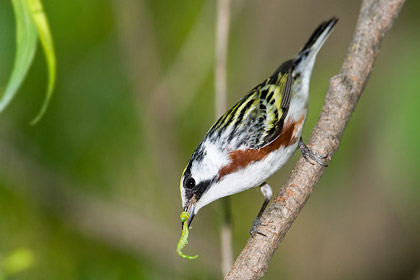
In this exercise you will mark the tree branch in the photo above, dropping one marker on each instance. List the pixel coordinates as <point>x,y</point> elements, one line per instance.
<point>375,19</point>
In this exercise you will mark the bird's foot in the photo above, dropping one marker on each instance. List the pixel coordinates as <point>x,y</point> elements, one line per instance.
<point>254,230</point>
<point>309,154</point>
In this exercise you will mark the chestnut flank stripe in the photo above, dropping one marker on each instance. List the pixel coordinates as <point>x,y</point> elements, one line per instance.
<point>241,158</point>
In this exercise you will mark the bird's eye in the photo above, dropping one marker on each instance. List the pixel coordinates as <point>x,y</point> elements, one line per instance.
<point>190,183</point>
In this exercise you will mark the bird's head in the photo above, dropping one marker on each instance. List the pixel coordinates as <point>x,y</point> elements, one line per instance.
<point>201,182</point>
<point>214,172</point>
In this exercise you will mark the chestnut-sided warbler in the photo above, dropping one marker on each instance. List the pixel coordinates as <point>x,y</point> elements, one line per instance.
<point>257,136</point>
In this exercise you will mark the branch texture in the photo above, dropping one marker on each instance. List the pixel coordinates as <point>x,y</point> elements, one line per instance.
<point>375,19</point>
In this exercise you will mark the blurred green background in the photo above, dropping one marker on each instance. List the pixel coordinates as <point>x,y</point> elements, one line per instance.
<point>92,191</point>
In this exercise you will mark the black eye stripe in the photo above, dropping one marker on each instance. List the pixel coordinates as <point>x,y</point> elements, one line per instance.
<point>199,189</point>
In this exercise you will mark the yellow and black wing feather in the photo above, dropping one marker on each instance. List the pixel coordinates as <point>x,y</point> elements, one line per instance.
<point>257,119</point>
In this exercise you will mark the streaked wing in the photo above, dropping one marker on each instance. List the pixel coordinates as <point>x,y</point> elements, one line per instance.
<point>257,119</point>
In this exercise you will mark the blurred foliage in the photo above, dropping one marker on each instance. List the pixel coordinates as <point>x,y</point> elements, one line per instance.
<point>44,34</point>
<point>92,191</point>
<point>31,23</point>
<point>25,49</point>
<point>20,259</point>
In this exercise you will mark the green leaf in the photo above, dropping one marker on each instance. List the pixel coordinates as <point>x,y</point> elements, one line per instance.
<point>26,35</point>
<point>45,37</point>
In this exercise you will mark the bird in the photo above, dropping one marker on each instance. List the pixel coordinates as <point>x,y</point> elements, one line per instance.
<point>256,137</point>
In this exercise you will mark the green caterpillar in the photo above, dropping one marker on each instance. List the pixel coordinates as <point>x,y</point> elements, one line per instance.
<point>184,237</point>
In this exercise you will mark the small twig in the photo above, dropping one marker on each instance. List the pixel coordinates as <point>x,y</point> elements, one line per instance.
<point>222,39</point>
<point>375,19</point>
<point>226,233</point>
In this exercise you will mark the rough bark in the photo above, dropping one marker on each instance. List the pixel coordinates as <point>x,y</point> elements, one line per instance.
<point>375,20</point>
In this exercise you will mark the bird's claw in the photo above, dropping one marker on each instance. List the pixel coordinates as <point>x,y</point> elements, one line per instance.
<point>254,230</point>
<point>308,153</point>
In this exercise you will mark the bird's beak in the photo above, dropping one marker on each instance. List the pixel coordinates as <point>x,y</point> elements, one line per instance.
<point>190,209</point>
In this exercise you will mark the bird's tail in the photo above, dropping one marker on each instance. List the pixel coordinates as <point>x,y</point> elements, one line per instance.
<point>314,44</point>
